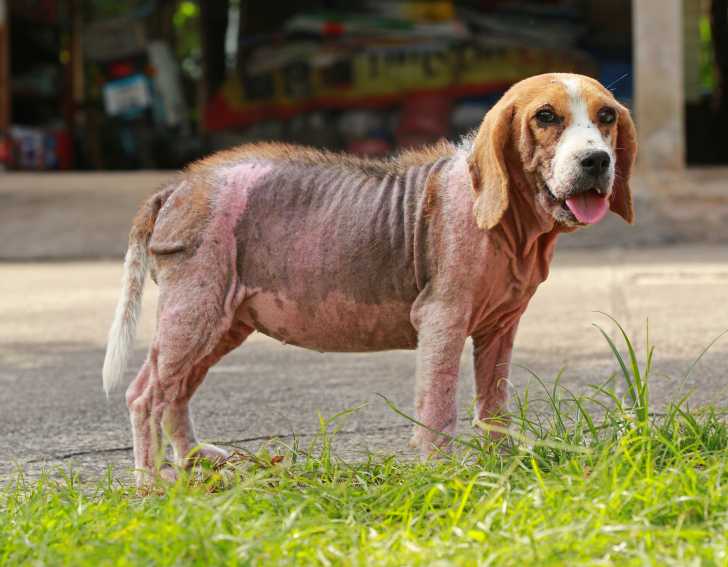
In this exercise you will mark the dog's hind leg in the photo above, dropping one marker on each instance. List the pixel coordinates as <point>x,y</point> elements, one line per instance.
<point>200,292</point>
<point>177,420</point>
<point>139,403</point>
<point>157,385</point>
<point>175,367</point>
<point>194,329</point>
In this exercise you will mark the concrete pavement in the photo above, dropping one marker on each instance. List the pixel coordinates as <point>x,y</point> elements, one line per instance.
<point>54,318</point>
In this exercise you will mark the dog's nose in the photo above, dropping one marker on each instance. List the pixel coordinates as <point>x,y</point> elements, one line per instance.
<point>595,163</point>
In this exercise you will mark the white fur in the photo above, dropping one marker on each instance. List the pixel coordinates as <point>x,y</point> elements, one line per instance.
<point>465,144</point>
<point>123,329</point>
<point>581,135</point>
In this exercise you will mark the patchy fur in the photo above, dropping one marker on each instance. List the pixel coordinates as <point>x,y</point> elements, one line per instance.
<point>288,153</point>
<point>337,253</point>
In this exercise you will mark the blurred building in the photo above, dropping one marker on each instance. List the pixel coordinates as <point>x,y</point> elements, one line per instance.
<point>153,84</point>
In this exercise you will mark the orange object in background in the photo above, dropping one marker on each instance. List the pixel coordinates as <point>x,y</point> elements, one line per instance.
<point>414,10</point>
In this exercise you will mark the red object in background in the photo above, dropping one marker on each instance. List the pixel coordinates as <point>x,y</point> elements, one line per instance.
<point>120,69</point>
<point>424,119</point>
<point>64,149</point>
<point>220,114</point>
<point>5,152</point>
<point>332,29</point>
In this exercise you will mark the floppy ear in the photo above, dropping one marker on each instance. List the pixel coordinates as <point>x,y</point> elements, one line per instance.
<point>621,201</point>
<point>487,165</point>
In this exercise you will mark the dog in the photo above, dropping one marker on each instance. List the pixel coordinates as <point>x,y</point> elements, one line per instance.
<point>335,253</point>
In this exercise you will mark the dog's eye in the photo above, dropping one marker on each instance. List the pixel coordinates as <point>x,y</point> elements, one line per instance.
<point>546,116</point>
<point>607,115</point>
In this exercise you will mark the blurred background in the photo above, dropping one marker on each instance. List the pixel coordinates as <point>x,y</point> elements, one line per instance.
<point>153,84</point>
<point>103,89</point>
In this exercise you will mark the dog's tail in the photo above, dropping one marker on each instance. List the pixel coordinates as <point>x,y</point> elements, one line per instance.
<point>136,263</point>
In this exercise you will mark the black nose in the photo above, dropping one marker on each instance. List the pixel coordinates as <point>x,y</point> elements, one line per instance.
<point>595,163</point>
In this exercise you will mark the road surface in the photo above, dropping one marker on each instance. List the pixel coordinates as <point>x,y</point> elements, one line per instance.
<point>54,317</point>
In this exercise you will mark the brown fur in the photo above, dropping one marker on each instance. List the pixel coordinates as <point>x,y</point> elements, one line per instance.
<point>143,223</point>
<point>431,195</point>
<point>512,123</point>
<point>186,214</point>
<point>488,171</point>
<point>626,148</point>
<point>274,151</point>
<point>537,144</point>
<point>189,206</point>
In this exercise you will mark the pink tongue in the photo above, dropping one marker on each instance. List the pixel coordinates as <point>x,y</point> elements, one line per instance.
<point>589,207</point>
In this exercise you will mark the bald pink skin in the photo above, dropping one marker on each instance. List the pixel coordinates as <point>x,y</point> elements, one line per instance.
<point>339,260</point>
<point>334,253</point>
<point>348,262</point>
<point>335,259</point>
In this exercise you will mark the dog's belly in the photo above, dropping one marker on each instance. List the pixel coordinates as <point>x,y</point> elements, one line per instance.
<point>335,324</point>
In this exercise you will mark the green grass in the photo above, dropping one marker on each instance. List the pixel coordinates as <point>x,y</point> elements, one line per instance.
<point>597,480</point>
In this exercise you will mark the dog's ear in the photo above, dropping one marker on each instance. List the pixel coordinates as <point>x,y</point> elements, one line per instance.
<point>487,165</point>
<point>626,150</point>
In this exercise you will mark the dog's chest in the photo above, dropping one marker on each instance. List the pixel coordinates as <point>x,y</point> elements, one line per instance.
<point>511,278</point>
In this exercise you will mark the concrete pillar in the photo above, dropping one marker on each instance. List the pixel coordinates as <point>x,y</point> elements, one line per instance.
<point>659,85</point>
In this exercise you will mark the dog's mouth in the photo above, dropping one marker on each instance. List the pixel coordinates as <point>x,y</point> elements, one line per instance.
<point>584,207</point>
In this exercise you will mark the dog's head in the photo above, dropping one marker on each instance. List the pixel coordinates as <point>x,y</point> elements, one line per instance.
<point>574,142</point>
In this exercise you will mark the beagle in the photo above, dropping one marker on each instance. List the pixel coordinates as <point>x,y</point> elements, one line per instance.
<point>335,253</point>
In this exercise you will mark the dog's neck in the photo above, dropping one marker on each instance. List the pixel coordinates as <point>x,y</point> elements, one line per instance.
<point>516,252</point>
<point>525,226</point>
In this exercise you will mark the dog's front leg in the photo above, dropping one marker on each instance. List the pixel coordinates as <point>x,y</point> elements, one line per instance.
<point>441,338</point>
<point>492,359</point>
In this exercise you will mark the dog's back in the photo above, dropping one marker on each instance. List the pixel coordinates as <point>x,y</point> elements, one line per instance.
<point>330,253</point>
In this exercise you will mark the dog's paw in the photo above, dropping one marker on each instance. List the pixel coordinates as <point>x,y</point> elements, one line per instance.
<point>429,443</point>
<point>148,482</point>
<point>414,441</point>
<point>215,455</point>
<point>168,474</point>
<point>421,440</point>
